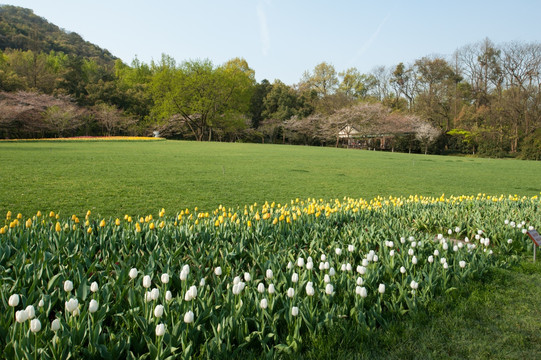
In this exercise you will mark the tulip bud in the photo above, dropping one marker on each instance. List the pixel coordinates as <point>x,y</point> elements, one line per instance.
<point>309,265</point>
<point>402,270</point>
<point>133,273</point>
<point>323,257</point>
<point>35,325</point>
<point>391,253</point>
<point>68,286</point>
<point>300,262</point>
<point>332,272</point>
<point>41,303</point>
<point>30,312</point>
<point>55,325</point>
<point>414,260</point>
<point>327,278</point>
<point>165,278</point>
<point>338,251</point>
<point>13,300</point>
<point>146,281</point>
<point>218,271</point>
<point>294,311</point>
<point>160,329</point>
<point>295,277</point>
<point>360,281</point>
<point>183,275</point>
<point>261,288</point>
<point>21,316</point>
<point>269,274</point>
<point>148,296</point>
<point>290,292</point>
<point>193,291</point>
<point>363,293</point>
<point>236,280</point>
<point>168,295</point>
<point>271,289</point>
<point>189,317</point>
<point>431,259</point>
<point>155,293</point>
<point>381,288</point>
<point>351,248</point>
<point>310,289</point>
<point>329,289</point>
<point>93,306</point>
<point>365,262</point>
<point>263,304</point>
<point>247,276</point>
<point>158,311</point>
<point>94,287</point>
<point>462,263</point>
<point>72,305</point>
<point>202,282</point>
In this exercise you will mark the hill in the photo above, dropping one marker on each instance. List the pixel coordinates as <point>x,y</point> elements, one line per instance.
<point>21,29</point>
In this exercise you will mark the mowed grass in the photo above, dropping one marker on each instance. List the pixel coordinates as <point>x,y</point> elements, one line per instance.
<point>137,178</point>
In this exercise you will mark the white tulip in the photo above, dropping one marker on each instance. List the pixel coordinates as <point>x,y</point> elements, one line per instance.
<point>410,252</point>
<point>72,304</point>
<point>358,290</point>
<point>133,273</point>
<point>160,329</point>
<point>168,295</point>
<point>202,282</point>
<point>361,270</point>
<point>94,287</point>
<point>261,288</point>
<point>21,316</point>
<point>370,256</point>
<point>445,266</point>
<point>436,252</point>
<point>35,325</point>
<point>381,288</point>
<point>41,303</point>
<point>323,257</point>
<point>413,244</point>
<point>183,275</point>
<point>189,317</point>
<point>271,289</point>
<point>351,248</point>
<point>165,278</point>
<point>289,265</point>
<point>193,291</point>
<point>509,241</point>
<point>322,266</point>
<point>443,260</point>
<point>329,289</point>
<point>343,267</point>
<point>338,251</point>
<point>363,292</point>
<point>506,222</point>
<point>450,232</point>
<point>148,296</point>
<point>327,278</point>
<point>247,276</point>
<point>309,265</point>
<point>158,311</point>
<point>93,306</point>
<point>30,312</point>
<point>365,262</point>
<point>414,260</point>
<point>332,272</point>
<point>268,274</point>
<point>391,253</point>
<point>414,285</point>
<point>310,289</point>
<point>290,292</point>
<point>295,277</point>
<point>360,281</point>
<point>294,311</point>
<point>13,300</point>
<point>348,267</point>
<point>263,303</point>
<point>236,280</point>
<point>155,293</point>
<point>300,262</point>
<point>402,270</point>
<point>327,265</point>
<point>68,286</point>
<point>457,229</point>
<point>445,246</point>
<point>55,325</point>
<point>431,259</point>
<point>186,269</point>
<point>218,271</point>
<point>462,263</point>
<point>146,281</point>
<point>402,240</point>
<point>440,236</point>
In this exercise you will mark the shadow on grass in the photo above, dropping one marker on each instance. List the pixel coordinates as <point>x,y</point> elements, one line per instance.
<point>497,317</point>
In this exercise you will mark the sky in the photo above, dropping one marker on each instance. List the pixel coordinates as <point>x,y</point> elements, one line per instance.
<point>283,39</point>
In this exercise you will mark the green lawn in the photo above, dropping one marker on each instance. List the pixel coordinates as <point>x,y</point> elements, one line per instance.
<point>114,178</point>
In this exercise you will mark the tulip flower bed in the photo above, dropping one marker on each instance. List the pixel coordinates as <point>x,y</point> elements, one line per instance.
<point>260,278</point>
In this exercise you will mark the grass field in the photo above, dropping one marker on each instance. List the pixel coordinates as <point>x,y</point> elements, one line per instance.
<point>114,178</point>
<point>494,316</point>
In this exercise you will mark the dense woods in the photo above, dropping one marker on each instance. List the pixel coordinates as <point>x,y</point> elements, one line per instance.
<point>484,99</point>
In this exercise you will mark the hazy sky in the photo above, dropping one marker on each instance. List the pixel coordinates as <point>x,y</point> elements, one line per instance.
<point>283,39</point>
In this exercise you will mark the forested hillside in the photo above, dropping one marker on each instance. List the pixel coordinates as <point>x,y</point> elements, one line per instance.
<point>485,99</point>
<point>23,30</point>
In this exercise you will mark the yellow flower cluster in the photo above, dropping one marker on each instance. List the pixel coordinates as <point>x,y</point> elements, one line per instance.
<point>92,138</point>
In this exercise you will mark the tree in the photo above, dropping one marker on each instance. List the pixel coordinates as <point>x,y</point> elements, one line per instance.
<point>323,80</point>
<point>111,119</point>
<point>199,93</point>
<point>426,133</point>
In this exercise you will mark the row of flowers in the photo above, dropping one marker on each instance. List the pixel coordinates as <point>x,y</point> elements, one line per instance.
<point>205,283</point>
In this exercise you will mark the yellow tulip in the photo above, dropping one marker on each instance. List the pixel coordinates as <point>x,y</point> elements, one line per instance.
<point>249,223</point>
<point>89,230</point>
<point>38,214</point>
<point>162,224</point>
<point>19,216</point>
<point>2,230</point>
<point>28,223</point>
<point>137,227</point>
<point>102,223</point>
<point>151,226</point>
<point>58,228</point>
<point>51,214</point>
<point>117,222</point>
